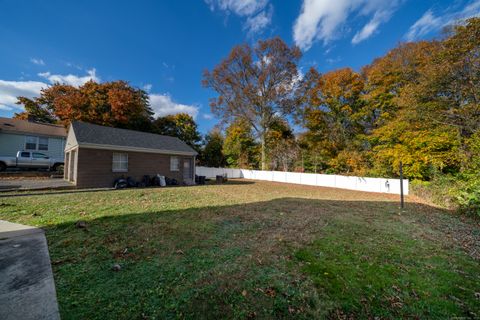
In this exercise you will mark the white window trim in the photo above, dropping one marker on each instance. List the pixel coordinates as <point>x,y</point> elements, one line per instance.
<point>26,142</point>
<point>171,164</point>
<point>37,143</point>
<point>113,162</point>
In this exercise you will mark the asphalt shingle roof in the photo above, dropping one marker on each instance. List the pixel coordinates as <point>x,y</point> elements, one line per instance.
<point>31,127</point>
<point>96,134</point>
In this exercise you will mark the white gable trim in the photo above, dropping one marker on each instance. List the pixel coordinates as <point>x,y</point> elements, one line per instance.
<point>71,141</point>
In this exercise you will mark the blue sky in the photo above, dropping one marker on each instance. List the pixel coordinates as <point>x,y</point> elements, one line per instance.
<point>163,46</point>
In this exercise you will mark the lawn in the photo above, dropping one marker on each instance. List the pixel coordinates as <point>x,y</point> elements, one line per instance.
<point>254,250</point>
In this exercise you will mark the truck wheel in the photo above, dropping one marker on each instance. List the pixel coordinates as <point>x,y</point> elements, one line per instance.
<point>3,167</point>
<point>58,167</point>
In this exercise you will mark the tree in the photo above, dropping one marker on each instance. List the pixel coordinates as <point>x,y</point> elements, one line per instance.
<point>282,149</point>
<point>212,154</point>
<point>330,108</point>
<point>387,76</point>
<point>179,125</point>
<point>114,104</point>
<point>283,154</point>
<point>447,91</point>
<point>33,111</point>
<point>255,85</point>
<point>424,148</point>
<point>437,107</point>
<point>240,148</point>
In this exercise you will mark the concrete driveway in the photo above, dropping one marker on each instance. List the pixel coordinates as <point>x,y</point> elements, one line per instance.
<point>33,184</point>
<point>27,288</point>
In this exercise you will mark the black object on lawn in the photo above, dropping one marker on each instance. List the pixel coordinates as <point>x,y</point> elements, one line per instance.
<point>120,183</point>
<point>221,179</point>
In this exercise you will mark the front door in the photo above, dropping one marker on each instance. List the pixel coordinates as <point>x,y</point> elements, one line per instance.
<point>187,169</point>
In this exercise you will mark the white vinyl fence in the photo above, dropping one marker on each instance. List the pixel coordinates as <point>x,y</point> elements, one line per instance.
<point>322,180</point>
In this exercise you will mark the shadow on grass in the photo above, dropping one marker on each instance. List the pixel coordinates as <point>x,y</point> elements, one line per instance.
<point>284,258</point>
<point>73,190</point>
<point>12,187</point>
<point>232,182</point>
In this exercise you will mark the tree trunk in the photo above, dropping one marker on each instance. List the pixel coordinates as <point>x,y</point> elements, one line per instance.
<point>264,153</point>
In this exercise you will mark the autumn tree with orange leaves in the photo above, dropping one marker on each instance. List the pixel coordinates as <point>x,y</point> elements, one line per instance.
<point>330,108</point>
<point>115,104</point>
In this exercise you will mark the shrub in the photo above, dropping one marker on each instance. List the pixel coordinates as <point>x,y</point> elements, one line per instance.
<point>459,192</point>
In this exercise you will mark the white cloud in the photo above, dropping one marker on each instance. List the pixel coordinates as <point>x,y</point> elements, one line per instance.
<point>259,22</point>
<point>257,12</point>
<point>10,90</point>
<point>71,79</point>
<point>5,108</point>
<point>423,26</point>
<point>239,7</point>
<point>147,87</point>
<point>322,20</point>
<point>207,116</point>
<point>333,60</point>
<point>37,61</point>
<point>73,65</point>
<point>162,105</point>
<point>371,27</point>
<point>429,22</point>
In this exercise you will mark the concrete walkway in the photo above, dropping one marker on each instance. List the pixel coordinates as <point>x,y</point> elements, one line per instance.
<point>33,184</point>
<point>27,288</point>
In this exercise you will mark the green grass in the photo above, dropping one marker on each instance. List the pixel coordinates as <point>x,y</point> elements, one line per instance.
<point>246,250</point>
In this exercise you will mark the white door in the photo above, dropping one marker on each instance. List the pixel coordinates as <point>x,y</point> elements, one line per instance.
<point>71,170</point>
<point>187,169</point>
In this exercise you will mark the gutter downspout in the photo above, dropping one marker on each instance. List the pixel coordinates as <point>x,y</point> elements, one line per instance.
<point>194,168</point>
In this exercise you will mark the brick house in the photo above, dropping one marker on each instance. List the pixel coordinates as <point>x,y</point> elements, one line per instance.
<point>96,155</point>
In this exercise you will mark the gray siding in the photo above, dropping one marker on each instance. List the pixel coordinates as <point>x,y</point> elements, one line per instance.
<point>11,143</point>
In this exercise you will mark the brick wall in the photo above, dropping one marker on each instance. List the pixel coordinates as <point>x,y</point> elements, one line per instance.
<point>94,167</point>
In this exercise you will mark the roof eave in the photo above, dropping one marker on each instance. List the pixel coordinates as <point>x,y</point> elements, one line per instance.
<point>21,132</point>
<point>134,149</point>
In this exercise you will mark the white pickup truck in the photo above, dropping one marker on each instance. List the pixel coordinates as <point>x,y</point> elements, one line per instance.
<point>30,160</point>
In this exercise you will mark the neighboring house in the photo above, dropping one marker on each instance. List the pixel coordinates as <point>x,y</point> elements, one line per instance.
<point>26,135</point>
<point>96,155</point>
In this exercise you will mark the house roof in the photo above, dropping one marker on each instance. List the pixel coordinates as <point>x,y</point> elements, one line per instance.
<point>31,127</point>
<point>93,135</point>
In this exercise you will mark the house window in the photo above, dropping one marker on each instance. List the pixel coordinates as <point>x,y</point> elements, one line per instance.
<point>43,144</point>
<point>36,143</point>
<point>174,164</point>
<point>120,162</point>
<point>31,143</point>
